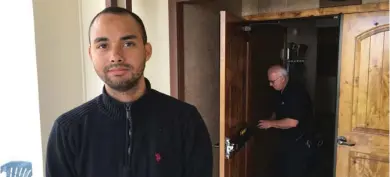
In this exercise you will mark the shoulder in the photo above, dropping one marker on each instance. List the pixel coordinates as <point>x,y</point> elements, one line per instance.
<point>77,114</point>
<point>170,102</point>
<point>297,95</point>
<point>296,89</point>
<point>175,107</point>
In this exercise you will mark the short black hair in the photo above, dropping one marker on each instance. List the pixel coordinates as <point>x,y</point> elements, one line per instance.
<point>119,11</point>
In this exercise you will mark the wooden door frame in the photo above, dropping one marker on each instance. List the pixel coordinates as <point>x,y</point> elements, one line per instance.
<point>317,12</point>
<point>176,46</point>
<point>114,3</point>
<point>176,33</point>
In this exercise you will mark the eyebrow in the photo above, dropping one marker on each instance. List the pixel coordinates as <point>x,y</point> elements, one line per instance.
<point>103,39</point>
<point>128,37</point>
<point>100,39</point>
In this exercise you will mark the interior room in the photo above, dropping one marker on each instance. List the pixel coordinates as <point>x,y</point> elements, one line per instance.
<point>320,50</point>
<point>308,48</point>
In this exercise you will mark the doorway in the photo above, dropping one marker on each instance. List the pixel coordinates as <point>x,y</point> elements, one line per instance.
<point>209,73</point>
<point>308,48</point>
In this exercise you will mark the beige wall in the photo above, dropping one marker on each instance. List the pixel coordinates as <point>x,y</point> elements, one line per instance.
<point>154,14</point>
<point>65,73</point>
<point>92,83</point>
<point>63,80</point>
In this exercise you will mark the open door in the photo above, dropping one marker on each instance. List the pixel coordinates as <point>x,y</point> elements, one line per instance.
<point>233,94</point>
<point>245,94</point>
<point>363,111</point>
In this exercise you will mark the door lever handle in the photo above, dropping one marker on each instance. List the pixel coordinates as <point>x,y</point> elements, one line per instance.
<point>341,140</point>
<point>230,147</point>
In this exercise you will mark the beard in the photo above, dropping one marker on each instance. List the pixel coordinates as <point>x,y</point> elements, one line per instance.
<point>124,84</point>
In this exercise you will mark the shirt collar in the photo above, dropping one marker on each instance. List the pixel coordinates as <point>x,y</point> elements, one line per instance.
<point>117,109</point>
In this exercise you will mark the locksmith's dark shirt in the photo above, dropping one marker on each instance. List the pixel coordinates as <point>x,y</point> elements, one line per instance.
<point>294,102</point>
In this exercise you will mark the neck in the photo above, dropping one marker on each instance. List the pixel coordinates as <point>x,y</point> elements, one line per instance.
<point>285,84</point>
<point>130,95</point>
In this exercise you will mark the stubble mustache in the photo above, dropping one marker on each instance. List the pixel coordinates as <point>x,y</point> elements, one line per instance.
<point>117,65</point>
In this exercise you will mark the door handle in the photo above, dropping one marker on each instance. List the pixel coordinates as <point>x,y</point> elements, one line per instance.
<point>229,147</point>
<point>341,140</point>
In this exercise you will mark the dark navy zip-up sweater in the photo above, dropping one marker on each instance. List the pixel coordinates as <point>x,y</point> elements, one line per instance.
<point>155,136</point>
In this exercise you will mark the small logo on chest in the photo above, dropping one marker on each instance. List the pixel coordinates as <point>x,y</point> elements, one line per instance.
<point>158,157</point>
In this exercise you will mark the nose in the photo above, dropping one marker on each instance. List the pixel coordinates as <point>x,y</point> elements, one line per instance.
<point>116,59</point>
<point>116,55</point>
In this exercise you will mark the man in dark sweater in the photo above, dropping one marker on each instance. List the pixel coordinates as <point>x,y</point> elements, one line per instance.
<point>130,130</point>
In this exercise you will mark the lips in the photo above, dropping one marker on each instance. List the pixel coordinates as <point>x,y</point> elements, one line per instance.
<point>118,71</point>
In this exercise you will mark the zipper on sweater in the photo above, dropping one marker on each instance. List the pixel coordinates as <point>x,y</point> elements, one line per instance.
<point>129,133</point>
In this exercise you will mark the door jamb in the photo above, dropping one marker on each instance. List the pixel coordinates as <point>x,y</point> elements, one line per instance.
<point>176,45</point>
<point>114,3</point>
<point>111,3</point>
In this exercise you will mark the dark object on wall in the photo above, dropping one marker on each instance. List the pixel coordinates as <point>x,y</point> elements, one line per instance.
<point>335,3</point>
<point>296,62</point>
<point>297,50</point>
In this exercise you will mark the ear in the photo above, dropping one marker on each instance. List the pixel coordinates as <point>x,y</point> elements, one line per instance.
<point>89,52</point>
<point>148,51</point>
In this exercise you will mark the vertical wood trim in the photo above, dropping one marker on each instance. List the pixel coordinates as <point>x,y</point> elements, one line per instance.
<point>128,5</point>
<point>176,49</point>
<point>248,153</point>
<point>222,96</point>
<point>111,3</point>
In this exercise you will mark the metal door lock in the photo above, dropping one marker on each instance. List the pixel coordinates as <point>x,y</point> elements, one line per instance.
<point>341,140</point>
<point>229,148</point>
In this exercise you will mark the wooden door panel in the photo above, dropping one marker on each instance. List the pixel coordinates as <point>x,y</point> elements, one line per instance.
<point>372,88</point>
<point>363,165</point>
<point>364,96</point>
<point>233,89</point>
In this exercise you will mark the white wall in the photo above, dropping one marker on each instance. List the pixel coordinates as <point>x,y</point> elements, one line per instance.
<point>19,120</point>
<point>93,84</point>
<point>65,80</point>
<point>61,75</point>
<point>154,13</point>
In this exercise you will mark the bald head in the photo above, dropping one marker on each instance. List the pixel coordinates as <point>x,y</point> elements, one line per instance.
<point>279,70</point>
<point>277,77</point>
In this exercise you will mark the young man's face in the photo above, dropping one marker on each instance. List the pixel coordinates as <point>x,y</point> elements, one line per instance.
<point>117,50</point>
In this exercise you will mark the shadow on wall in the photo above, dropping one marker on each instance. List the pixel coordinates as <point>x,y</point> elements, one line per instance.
<point>17,169</point>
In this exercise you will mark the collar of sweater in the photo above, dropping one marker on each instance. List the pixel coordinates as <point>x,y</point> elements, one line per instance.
<point>116,109</point>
